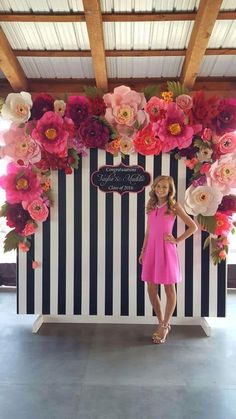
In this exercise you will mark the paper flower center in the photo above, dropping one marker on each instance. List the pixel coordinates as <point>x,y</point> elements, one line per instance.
<point>51,133</point>
<point>21,110</point>
<point>125,114</point>
<point>22,184</point>
<point>175,128</point>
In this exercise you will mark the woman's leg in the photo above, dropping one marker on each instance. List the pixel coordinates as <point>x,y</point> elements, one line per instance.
<point>155,301</point>
<point>170,302</point>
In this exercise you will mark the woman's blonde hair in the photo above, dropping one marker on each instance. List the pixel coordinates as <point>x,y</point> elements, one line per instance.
<point>152,202</point>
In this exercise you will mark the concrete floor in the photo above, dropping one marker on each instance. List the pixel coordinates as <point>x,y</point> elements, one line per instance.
<point>90,371</point>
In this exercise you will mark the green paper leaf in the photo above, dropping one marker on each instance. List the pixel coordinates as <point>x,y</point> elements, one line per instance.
<point>177,88</point>
<point>11,241</point>
<point>73,153</point>
<point>151,90</point>
<point>207,223</point>
<point>92,91</point>
<point>21,125</point>
<point>3,210</point>
<point>206,242</point>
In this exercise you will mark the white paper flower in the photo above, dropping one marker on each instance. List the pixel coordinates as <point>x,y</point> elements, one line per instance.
<point>17,107</point>
<point>202,200</point>
<point>204,154</point>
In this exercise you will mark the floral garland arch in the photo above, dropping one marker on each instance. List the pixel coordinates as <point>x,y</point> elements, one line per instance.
<point>47,134</point>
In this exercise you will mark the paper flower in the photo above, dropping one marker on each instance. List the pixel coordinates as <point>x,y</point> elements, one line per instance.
<point>225,120</point>
<point>20,146</point>
<point>184,102</point>
<point>42,103</point>
<point>172,130</point>
<point>59,107</point>
<point>17,107</point>
<point>35,264</point>
<point>204,110</point>
<point>222,173</point>
<point>202,200</point>
<point>156,109</point>
<point>146,143</point>
<point>113,147</point>
<point>226,143</point>
<point>51,134</point>
<point>126,145</point>
<point>228,204</point>
<point>30,228</point>
<point>98,106</point>
<point>204,154</point>
<point>125,109</point>
<point>223,224</point>
<point>78,108</point>
<point>20,184</point>
<point>38,210</point>
<point>23,247</point>
<point>94,133</point>
<point>17,217</point>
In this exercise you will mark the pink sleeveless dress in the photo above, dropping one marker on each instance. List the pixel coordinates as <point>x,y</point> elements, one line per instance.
<point>160,263</point>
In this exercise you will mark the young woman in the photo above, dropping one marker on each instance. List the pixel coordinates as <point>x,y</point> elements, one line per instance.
<point>159,258</point>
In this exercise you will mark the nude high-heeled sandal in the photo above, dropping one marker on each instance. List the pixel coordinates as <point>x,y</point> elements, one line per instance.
<point>161,334</point>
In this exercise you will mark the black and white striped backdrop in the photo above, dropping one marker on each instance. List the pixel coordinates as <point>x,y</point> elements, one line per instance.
<point>89,249</point>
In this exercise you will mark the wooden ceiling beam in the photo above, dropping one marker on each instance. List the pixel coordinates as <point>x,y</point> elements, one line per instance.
<point>109,17</point>
<point>54,86</point>
<point>93,19</point>
<point>202,29</point>
<point>119,53</point>
<point>10,65</point>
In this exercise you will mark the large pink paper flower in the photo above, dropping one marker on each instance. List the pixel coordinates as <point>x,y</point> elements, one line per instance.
<point>20,146</point>
<point>172,131</point>
<point>38,210</point>
<point>20,184</point>
<point>51,134</point>
<point>125,110</point>
<point>78,108</point>
<point>222,173</point>
<point>17,107</point>
<point>146,143</point>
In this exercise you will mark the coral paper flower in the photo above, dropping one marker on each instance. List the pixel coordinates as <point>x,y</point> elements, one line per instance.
<point>20,146</point>
<point>51,134</point>
<point>38,210</point>
<point>172,131</point>
<point>35,264</point>
<point>30,228</point>
<point>227,143</point>
<point>223,224</point>
<point>78,108</point>
<point>113,147</point>
<point>222,173</point>
<point>146,143</point>
<point>17,107</point>
<point>23,247</point>
<point>156,109</point>
<point>202,200</point>
<point>20,184</point>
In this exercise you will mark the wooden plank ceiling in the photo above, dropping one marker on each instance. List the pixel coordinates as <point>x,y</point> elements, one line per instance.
<point>204,20</point>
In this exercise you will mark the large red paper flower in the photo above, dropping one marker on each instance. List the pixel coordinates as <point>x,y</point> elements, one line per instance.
<point>203,110</point>
<point>42,103</point>
<point>172,130</point>
<point>94,133</point>
<point>78,108</point>
<point>146,143</point>
<point>20,184</point>
<point>51,134</point>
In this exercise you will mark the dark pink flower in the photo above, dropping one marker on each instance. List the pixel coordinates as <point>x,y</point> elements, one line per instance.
<point>225,120</point>
<point>51,134</point>
<point>203,110</point>
<point>78,108</point>
<point>94,133</point>
<point>98,106</point>
<point>42,103</point>
<point>17,217</point>
<point>228,204</point>
<point>20,184</point>
<point>172,131</point>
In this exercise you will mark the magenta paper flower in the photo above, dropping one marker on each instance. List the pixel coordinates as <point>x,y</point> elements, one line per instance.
<point>125,110</point>
<point>38,210</point>
<point>42,103</point>
<point>225,120</point>
<point>222,173</point>
<point>94,133</point>
<point>51,134</point>
<point>17,217</point>
<point>20,146</point>
<point>78,108</point>
<point>20,184</point>
<point>228,204</point>
<point>156,108</point>
<point>172,131</point>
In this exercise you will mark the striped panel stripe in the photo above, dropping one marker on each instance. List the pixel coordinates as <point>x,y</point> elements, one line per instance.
<point>90,244</point>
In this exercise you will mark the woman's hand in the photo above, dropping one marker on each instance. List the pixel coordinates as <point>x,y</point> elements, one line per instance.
<point>170,238</point>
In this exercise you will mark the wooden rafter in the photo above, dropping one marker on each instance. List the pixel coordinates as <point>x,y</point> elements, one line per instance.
<point>93,19</point>
<point>109,17</point>
<point>119,53</point>
<point>202,29</point>
<point>10,65</point>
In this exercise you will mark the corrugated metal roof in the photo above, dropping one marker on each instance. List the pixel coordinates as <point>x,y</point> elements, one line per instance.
<point>46,35</point>
<point>148,5</point>
<point>218,65</point>
<point>130,67</point>
<point>223,34</point>
<point>147,35</point>
<point>57,67</point>
<point>41,5</point>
